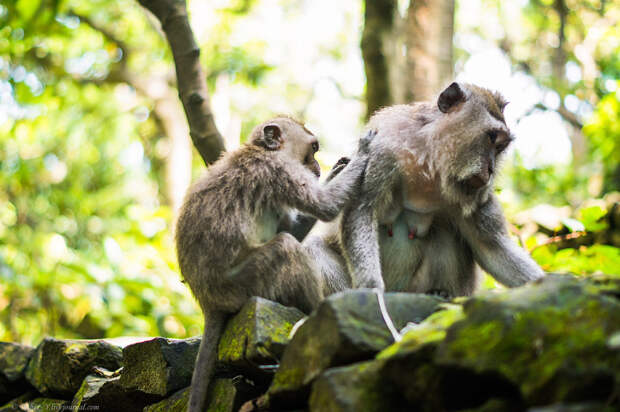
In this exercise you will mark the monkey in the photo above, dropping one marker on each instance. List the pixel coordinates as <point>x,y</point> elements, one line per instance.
<point>300,225</point>
<point>426,217</point>
<point>227,243</point>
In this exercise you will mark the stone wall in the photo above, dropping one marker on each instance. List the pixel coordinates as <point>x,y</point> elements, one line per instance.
<point>550,346</point>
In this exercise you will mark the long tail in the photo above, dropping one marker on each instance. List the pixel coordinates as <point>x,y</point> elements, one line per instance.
<point>205,362</point>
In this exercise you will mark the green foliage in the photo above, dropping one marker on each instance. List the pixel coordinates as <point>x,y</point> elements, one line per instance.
<point>591,217</point>
<point>85,227</point>
<point>583,261</point>
<point>85,232</point>
<point>603,130</point>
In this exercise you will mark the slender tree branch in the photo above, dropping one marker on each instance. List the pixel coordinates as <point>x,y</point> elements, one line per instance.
<point>566,114</point>
<point>172,14</point>
<point>558,239</point>
<point>105,32</point>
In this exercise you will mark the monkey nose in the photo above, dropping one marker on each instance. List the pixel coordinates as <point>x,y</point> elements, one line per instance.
<point>478,180</point>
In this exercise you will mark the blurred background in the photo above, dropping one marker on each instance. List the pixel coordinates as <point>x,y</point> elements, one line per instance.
<point>95,156</point>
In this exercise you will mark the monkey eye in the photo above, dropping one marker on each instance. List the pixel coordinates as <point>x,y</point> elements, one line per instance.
<point>492,136</point>
<point>501,147</point>
<point>315,146</point>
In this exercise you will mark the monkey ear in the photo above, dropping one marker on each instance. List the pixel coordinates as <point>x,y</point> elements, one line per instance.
<point>272,137</point>
<point>452,95</point>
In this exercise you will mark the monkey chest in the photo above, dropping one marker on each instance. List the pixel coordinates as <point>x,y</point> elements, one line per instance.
<point>263,227</point>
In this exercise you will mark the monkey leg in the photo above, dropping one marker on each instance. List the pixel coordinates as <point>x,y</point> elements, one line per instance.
<point>361,247</point>
<point>447,267</point>
<point>330,263</point>
<point>279,270</point>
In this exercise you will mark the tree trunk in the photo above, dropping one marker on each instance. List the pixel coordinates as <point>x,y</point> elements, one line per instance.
<point>430,28</point>
<point>406,58</point>
<point>379,16</point>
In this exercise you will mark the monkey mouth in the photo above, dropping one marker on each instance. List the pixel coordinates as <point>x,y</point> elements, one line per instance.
<point>471,185</point>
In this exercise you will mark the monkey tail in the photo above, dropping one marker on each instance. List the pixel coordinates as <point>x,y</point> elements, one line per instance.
<point>205,361</point>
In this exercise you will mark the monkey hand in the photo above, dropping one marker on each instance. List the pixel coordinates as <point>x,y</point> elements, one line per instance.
<point>364,144</point>
<point>340,164</point>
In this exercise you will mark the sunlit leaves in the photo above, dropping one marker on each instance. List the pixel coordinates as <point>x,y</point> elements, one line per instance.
<point>584,260</point>
<point>603,130</point>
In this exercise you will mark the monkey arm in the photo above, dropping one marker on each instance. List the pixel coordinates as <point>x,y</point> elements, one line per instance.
<point>303,224</point>
<point>485,232</point>
<point>326,201</point>
<point>360,238</point>
<point>360,221</point>
<point>299,226</point>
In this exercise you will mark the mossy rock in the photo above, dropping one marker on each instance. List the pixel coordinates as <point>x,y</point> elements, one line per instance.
<point>28,403</point>
<point>225,395</point>
<point>347,327</point>
<point>58,367</point>
<point>357,387</point>
<point>106,394</point>
<point>14,404</point>
<point>258,334</point>
<point>553,341</point>
<point>13,361</point>
<point>159,366</point>
<point>177,402</point>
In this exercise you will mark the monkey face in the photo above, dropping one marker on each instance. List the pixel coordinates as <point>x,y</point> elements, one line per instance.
<point>302,145</point>
<point>309,160</point>
<point>290,139</point>
<point>478,134</point>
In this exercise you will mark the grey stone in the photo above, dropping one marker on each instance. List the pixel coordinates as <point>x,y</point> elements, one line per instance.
<point>29,403</point>
<point>357,387</point>
<point>106,394</point>
<point>13,404</point>
<point>159,366</point>
<point>225,395</point>
<point>177,402</point>
<point>58,367</point>
<point>13,361</point>
<point>258,334</point>
<point>547,343</point>
<point>347,327</point>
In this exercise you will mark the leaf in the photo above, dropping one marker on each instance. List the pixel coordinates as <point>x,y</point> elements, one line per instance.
<point>27,8</point>
<point>573,225</point>
<point>591,218</point>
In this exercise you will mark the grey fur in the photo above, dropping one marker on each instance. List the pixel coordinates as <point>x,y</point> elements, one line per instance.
<point>429,175</point>
<point>227,242</point>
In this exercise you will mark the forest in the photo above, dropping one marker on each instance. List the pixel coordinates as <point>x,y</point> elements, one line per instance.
<point>96,155</point>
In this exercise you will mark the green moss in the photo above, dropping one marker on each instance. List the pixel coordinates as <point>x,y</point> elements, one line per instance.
<point>430,330</point>
<point>175,403</point>
<point>351,388</point>
<point>532,335</point>
<point>258,333</point>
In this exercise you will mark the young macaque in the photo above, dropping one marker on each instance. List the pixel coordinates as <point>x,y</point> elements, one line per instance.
<point>228,244</point>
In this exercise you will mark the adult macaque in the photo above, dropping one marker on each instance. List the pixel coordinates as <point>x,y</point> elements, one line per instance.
<point>427,214</point>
